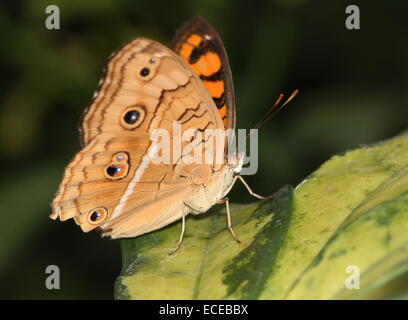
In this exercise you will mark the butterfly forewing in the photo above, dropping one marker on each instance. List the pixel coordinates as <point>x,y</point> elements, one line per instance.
<point>199,45</point>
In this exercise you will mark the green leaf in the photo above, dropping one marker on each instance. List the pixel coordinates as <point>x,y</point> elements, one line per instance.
<point>210,264</point>
<point>352,211</point>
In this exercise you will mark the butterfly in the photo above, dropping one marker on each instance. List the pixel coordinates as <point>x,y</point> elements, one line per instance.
<point>113,183</point>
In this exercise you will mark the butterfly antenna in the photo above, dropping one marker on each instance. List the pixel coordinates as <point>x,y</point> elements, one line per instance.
<point>270,111</point>
<point>274,109</point>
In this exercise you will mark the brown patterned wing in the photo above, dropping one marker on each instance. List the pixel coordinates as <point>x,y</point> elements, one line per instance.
<point>199,45</point>
<point>114,183</point>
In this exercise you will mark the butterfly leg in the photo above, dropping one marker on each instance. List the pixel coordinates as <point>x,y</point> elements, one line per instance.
<point>250,190</point>
<point>226,201</point>
<point>183,229</point>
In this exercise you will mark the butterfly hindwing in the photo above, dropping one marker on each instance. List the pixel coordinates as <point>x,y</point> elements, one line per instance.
<point>200,46</point>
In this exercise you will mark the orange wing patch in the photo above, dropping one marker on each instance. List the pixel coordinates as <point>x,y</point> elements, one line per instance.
<point>223,113</point>
<point>200,46</point>
<point>187,47</point>
<point>215,88</point>
<point>207,65</point>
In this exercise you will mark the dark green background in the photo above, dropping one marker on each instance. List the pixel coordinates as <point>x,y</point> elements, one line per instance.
<point>352,91</point>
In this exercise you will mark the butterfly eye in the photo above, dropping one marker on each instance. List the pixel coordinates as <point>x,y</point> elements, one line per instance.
<point>98,215</point>
<point>133,117</point>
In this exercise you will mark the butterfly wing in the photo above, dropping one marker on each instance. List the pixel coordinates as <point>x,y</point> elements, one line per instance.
<point>199,45</point>
<point>113,183</point>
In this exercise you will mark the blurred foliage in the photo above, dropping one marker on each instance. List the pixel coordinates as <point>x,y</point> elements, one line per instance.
<point>352,91</point>
<point>352,211</point>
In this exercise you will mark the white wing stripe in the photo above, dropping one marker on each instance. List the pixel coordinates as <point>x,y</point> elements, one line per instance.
<point>151,153</point>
